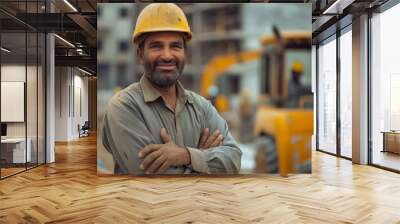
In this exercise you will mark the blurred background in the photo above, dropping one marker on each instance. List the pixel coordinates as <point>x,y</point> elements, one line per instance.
<point>253,61</point>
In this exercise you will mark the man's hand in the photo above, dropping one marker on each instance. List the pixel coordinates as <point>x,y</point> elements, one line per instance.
<point>159,157</point>
<point>208,141</point>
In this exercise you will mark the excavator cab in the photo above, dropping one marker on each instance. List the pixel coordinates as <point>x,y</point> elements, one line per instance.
<point>284,66</point>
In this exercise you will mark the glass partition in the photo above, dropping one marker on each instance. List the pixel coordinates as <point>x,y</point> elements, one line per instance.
<point>22,77</point>
<point>14,153</point>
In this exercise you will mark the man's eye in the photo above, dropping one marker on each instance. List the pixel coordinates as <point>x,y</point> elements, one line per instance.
<point>177,46</point>
<point>156,46</point>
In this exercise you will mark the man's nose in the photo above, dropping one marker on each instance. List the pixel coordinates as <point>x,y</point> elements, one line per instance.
<point>166,54</point>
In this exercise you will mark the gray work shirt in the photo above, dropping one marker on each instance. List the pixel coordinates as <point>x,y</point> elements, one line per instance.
<point>134,119</point>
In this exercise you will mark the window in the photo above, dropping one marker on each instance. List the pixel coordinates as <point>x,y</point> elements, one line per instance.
<point>385,88</point>
<point>346,94</point>
<point>209,21</point>
<point>123,12</point>
<point>327,96</point>
<point>233,13</point>
<point>229,84</point>
<point>122,75</point>
<point>235,84</point>
<point>123,46</point>
<point>104,71</point>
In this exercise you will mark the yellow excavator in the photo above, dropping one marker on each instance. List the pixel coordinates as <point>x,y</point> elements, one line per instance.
<point>283,122</point>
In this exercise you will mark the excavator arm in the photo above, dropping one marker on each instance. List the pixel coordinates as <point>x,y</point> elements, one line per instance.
<point>219,64</point>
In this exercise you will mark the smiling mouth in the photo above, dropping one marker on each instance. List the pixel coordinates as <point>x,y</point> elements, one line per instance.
<point>166,67</point>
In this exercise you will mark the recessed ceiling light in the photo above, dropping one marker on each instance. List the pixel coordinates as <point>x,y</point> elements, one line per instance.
<point>5,50</point>
<point>84,71</point>
<point>70,5</point>
<point>64,40</point>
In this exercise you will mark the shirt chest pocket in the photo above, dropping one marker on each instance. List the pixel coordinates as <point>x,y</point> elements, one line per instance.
<point>192,127</point>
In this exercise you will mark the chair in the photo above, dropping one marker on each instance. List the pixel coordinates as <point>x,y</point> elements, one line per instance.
<point>84,130</point>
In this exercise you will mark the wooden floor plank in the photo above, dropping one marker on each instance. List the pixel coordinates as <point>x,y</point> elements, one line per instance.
<point>70,191</point>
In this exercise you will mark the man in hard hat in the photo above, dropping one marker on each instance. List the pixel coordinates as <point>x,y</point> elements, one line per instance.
<point>155,126</point>
<point>296,89</point>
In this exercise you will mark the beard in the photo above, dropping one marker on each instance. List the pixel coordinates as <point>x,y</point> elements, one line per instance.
<point>163,78</point>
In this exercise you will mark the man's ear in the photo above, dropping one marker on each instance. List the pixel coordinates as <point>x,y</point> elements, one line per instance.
<point>139,55</point>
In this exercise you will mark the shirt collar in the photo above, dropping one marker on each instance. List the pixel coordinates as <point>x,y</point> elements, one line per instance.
<point>150,93</point>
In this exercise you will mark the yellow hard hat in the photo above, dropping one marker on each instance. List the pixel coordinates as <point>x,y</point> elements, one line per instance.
<point>159,17</point>
<point>297,67</point>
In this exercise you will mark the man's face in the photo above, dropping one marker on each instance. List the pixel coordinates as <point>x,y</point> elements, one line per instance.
<point>163,57</point>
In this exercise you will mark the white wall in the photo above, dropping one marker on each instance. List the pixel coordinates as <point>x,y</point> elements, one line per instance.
<point>61,103</point>
<point>12,73</point>
<point>69,85</point>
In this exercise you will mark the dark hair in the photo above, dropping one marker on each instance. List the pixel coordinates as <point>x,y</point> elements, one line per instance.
<point>142,38</point>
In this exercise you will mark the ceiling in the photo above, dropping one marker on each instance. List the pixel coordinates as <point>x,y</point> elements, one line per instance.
<point>76,22</point>
<point>328,13</point>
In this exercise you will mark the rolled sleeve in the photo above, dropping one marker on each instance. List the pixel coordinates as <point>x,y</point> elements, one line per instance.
<point>198,160</point>
<point>225,159</point>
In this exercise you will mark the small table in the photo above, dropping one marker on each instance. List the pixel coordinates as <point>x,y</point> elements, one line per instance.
<point>13,150</point>
<point>391,141</point>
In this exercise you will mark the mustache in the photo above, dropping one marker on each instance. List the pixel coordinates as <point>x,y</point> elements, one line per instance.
<point>164,62</point>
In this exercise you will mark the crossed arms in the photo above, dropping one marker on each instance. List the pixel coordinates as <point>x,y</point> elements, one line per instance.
<point>157,158</point>
<point>127,136</point>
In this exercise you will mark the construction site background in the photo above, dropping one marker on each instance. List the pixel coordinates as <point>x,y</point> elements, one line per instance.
<point>218,29</point>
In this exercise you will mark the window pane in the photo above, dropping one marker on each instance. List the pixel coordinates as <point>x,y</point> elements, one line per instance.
<point>346,94</point>
<point>123,46</point>
<point>385,84</point>
<point>327,97</point>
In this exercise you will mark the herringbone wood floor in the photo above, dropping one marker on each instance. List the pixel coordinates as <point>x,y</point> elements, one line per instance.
<point>70,191</point>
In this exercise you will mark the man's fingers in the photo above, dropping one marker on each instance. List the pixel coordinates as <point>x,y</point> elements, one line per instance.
<point>156,164</point>
<point>148,160</point>
<point>211,139</point>
<point>204,136</point>
<point>148,149</point>
<point>165,136</point>
<point>164,167</point>
<point>217,141</point>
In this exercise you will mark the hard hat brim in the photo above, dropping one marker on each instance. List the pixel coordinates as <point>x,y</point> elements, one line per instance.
<point>188,35</point>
